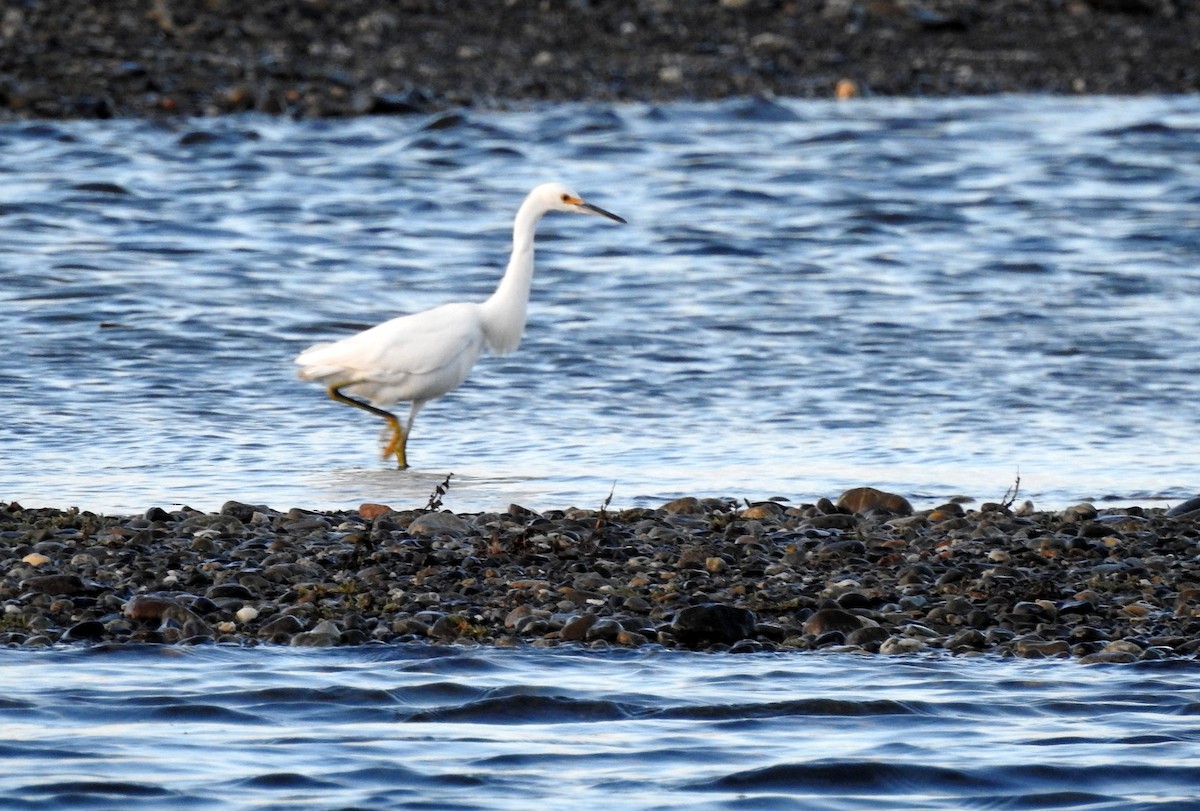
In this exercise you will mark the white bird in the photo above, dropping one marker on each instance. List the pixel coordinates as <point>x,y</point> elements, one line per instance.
<point>417,358</point>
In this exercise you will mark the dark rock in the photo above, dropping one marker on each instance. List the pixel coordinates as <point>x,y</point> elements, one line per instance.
<point>713,622</point>
<point>969,638</point>
<point>1192,505</point>
<point>229,590</point>
<point>86,631</point>
<point>56,584</point>
<point>448,628</point>
<point>240,511</point>
<point>576,629</point>
<point>832,619</point>
<point>283,624</point>
<point>833,521</point>
<point>854,599</point>
<point>868,638</point>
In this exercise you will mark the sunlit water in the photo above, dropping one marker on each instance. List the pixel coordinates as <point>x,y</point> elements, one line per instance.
<point>929,296</point>
<point>399,727</point>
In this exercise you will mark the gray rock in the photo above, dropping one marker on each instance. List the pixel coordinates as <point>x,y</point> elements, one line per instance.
<point>438,524</point>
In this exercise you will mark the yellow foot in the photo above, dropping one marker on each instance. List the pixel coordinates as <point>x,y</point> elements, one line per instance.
<point>397,445</point>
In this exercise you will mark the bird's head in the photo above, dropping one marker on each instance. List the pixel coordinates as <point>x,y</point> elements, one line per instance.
<point>557,197</point>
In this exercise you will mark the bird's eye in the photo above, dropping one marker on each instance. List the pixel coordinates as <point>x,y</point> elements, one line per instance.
<point>566,198</point>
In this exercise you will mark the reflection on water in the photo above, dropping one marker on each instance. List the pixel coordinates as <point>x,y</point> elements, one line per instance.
<point>928,296</point>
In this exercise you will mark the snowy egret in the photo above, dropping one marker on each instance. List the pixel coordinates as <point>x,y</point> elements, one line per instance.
<point>417,358</point>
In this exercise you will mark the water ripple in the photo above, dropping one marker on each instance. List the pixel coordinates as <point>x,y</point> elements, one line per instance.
<point>931,296</point>
<point>422,727</point>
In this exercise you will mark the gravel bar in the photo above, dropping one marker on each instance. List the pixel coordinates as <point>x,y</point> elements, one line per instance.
<point>866,574</point>
<point>321,58</point>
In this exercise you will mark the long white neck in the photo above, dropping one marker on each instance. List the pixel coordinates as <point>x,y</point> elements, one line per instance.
<point>504,311</point>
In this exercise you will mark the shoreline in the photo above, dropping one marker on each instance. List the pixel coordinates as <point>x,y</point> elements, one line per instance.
<point>321,58</point>
<point>867,574</point>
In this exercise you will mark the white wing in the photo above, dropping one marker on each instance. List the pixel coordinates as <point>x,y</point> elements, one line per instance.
<point>413,357</point>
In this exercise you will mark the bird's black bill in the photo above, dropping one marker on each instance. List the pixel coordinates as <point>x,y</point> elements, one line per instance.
<point>591,209</point>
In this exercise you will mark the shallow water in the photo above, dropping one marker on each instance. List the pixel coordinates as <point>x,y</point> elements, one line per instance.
<point>422,727</point>
<point>930,296</point>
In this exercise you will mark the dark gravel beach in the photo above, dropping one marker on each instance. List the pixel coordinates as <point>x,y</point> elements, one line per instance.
<point>867,574</point>
<point>65,59</point>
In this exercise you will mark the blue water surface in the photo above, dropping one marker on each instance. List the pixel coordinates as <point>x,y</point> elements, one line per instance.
<point>931,296</point>
<point>419,727</point>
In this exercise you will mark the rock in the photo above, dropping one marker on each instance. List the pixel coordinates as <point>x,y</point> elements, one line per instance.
<point>900,645</point>
<point>324,635</point>
<point>449,627</point>
<point>606,629</point>
<point>1079,513</point>
<point>713,623</point>
<point>967,639</point>
<point>576,629</point>
<point>234,591</point>
<point>833,521</point>
<point>869,501</point>
<point>832,619</point>
<point>150,607</point>
<point>240,511</point>
<point>371,511</point>
<point>867,638</point>
<point>442,523</point>
<point>688,505</point>
<point>1190,506</point>
<point>1108,657</point>
<point>281,625</point>
<point>55,584</point>
<point>86,631</point>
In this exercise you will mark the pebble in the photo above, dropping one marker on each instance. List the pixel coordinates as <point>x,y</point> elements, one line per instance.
<point>700,573</point>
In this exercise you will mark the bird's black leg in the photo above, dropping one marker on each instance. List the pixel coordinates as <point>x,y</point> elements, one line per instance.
<point>399,439</point>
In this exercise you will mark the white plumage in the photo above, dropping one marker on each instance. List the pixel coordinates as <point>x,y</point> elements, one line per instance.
<point>417,358</point>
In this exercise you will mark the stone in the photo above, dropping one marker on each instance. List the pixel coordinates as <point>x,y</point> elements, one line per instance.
<point>832,619</point>
<point>606,629</point>
<point>442,523</point>
<point>55,584</point>
<point>150,608</point>
<point>324,634</point>
<point>900,645</point>
<point>968,638</point>
<point>870,501</point>
<point>448,627</point>
<point>86,631</point>
<point>370,511</point>
<point>713,623</point>
<point>868,638</point>
<point>688,505</point>
<point>576,629</point>
<point>234,591</point>
<point>281,625</point>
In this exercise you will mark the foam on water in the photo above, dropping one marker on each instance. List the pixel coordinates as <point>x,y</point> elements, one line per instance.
<point>928,296</point>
